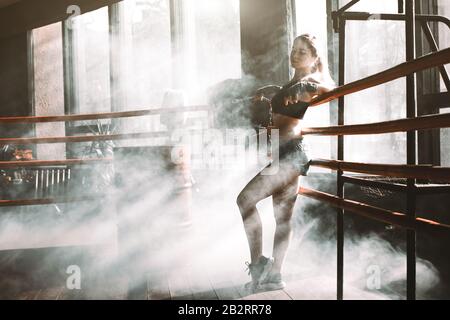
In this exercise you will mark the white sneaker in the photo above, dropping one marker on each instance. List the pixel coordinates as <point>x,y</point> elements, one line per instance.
<point>272,282</point>
<point>258,272</point>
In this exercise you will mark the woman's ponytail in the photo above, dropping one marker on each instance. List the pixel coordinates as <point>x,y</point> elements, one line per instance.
<point>318,65</point>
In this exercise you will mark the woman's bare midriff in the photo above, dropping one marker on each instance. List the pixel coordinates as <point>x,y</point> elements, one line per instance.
<point>287,126</point>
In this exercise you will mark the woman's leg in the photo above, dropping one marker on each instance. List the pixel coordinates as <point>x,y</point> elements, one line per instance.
<point>259,188</point>
<point>283,207</point>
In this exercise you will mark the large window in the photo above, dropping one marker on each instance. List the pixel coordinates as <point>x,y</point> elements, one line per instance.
<point>148,51</point>
<point>48,87</point>
<point>199,47</point>
<point>147,65</point>
<point>87,74</point>
<point>366,54</point>
<point>444,42</point>
<point>444,33</point>
<point>373,46</point>
<point>445,143</point>
<point>171,52</point>
<point>90,56</point>
<point>174,54</point>
<point>215,51</point>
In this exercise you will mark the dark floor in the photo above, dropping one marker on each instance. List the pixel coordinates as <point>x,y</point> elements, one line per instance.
<point>173,288</point>
<point>41,274</point>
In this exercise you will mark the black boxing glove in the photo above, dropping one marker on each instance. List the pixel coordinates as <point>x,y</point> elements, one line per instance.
<point>301,87</point>
<point>296,110</point>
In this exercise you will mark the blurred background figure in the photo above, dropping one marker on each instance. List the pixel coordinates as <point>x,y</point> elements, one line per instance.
<point>173,99</point>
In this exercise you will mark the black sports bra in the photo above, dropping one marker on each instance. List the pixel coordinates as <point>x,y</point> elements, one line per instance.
<point>296,110</point>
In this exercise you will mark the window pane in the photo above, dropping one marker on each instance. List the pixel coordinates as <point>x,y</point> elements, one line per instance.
<point>146,38</point>
<point>366,54</point>
<point>444,42</point>
<point>215,50</point>
<point>445,143</point>
<point>91,61</point>
<point>148,46</point>
<point>172,63</point>
<point>444,33</point>
<point>49,87</point>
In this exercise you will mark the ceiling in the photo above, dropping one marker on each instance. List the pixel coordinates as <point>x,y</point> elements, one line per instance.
<point>5,3</point>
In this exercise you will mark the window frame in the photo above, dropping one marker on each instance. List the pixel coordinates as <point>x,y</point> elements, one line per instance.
<point>428,141</point>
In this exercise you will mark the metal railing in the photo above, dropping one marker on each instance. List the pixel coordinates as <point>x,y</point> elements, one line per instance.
<point>48,175</point>
<point>411,171</point>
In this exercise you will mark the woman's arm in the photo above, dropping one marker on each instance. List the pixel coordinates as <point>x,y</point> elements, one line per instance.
<point>323,86</point>
<point>305,90</point>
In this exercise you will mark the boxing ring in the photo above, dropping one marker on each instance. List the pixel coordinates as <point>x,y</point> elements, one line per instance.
<point>57,172</point>
<point>411,171</point>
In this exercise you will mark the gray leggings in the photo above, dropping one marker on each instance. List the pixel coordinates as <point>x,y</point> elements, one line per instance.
<point>282,186</point>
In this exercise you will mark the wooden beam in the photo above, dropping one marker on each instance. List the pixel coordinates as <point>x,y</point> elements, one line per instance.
<point>106,115</point>
<point>102,137</point>
<point>402,125</point>
<point>33,202</point>
<point>44,163</point>
<point>378,214</point>
<point>388,170</point>
<point>367,182</point>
